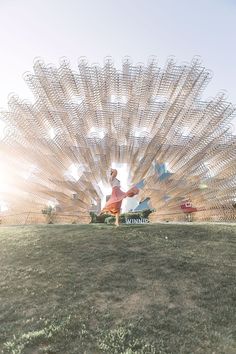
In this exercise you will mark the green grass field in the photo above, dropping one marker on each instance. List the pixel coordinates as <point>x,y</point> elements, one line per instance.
<point>159,288</point>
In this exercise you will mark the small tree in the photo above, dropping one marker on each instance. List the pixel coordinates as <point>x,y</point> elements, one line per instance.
<point>50,213</point>
<point>93,217</point>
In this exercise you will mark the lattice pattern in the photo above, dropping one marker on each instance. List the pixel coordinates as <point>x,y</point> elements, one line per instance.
<point>60,147</point>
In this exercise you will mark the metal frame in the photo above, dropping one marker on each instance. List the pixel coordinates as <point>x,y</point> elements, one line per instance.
<point>142,115</point>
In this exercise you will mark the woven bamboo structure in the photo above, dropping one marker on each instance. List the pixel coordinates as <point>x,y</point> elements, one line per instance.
<point>60,147</point>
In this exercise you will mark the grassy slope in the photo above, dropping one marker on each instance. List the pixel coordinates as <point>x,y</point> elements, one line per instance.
<point>138,289</point>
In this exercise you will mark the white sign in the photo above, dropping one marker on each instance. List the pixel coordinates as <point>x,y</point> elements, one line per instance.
<point>137,221</point>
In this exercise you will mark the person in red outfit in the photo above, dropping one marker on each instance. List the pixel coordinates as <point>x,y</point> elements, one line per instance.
<point>113,205</point>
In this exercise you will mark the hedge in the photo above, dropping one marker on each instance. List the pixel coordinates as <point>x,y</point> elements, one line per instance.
<point>109,219</point>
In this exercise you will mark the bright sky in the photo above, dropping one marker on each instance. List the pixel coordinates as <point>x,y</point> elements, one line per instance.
<point>51,29</point>
<point>139,28</point>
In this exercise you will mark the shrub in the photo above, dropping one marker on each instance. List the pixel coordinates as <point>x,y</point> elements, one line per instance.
<point>47,211</point>
<point>136,215</point>
<point>145,213</point>
<point>102,218</point>
<point>110,220</point>
<point>98,218</point>
<point>50,213</point>
<point>93,217</point>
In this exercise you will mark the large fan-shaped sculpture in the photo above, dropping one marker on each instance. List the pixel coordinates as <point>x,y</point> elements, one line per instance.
<point>59,148</point>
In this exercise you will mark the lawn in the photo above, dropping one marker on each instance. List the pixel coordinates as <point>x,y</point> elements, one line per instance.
<point>158,288</point>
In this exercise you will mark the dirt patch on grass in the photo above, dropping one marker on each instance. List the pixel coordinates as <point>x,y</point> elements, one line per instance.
<point>133,304</point>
